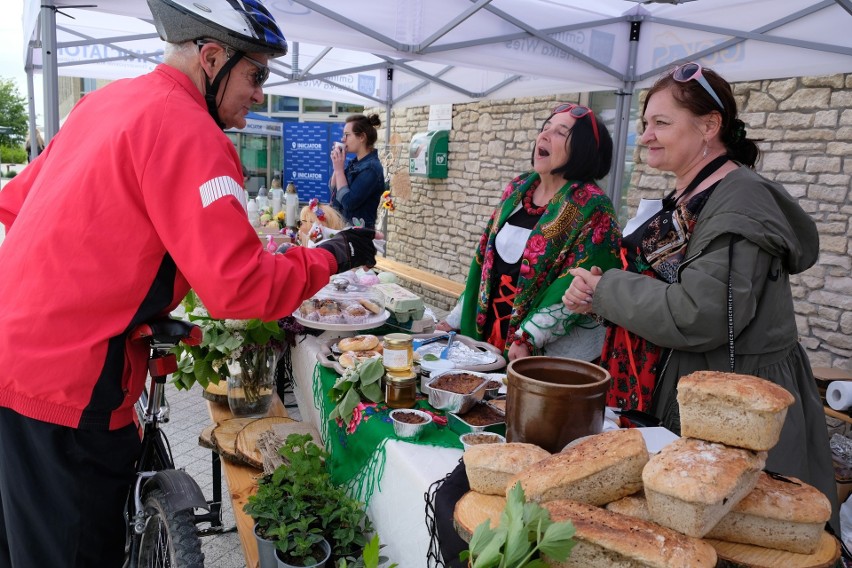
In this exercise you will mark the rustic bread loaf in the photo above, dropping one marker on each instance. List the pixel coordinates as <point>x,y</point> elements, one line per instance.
<point>605,539</point>
<point>736,410</point>
<point>777,514</point>
<point>490,466</point>
<point>596,470</point>
<point>691,484</point>
<point>784,515</point>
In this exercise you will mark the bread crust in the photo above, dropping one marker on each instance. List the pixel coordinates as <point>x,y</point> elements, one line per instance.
<point>604,538</point>
<point>358,343</point>
<point>596,470</point>
<point>490,466</point>
<point>746,392</point>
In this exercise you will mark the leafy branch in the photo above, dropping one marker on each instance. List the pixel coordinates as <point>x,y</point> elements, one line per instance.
<point>361,381</point>
<point>524,533</point>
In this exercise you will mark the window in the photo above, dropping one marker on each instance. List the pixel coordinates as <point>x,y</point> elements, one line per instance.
<point>284,104</point>
<point>347,108</point>
<point>316,105</point>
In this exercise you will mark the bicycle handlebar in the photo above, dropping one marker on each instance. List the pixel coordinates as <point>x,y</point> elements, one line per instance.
<point>168,331</point>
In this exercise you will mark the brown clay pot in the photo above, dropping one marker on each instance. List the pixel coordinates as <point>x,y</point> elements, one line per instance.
<point>552,401</point>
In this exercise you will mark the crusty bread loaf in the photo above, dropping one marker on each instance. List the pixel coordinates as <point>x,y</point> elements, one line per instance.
<point>776,514</point>
<point>736,410</point>
<point>691,484</point>
<point>596,470</point>
<point>490,466</point>
<point>604,539</point>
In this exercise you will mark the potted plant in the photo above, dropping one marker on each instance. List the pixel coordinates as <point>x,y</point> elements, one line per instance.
<point>525,533</point>
<point>298,506</point>
<point>370,557</point>
<point>252,345</point>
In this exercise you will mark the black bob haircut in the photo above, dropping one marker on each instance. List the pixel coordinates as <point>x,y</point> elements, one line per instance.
<point>586,161</point>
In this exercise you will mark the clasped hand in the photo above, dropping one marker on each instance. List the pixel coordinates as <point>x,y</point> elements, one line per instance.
<point>579,295</point>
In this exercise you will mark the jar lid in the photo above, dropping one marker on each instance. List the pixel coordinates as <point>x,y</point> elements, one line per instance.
<point>398,339</point>
<point>400,377</point>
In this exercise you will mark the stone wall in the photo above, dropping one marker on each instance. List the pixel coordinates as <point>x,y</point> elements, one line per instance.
<point>806,127</point>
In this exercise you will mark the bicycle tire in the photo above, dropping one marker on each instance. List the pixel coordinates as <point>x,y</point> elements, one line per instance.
<point>169,540</point>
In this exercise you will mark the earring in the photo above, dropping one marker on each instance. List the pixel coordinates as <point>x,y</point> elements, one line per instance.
<point>706,150</point>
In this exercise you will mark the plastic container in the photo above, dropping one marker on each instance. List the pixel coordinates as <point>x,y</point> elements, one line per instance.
<point>402,304</point>
<point>253,213</point>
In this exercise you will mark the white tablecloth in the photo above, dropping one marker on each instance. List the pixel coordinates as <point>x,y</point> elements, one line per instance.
<point>398,507</point>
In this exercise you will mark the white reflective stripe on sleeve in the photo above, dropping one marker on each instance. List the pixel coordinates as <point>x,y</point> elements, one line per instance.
<point>220,187</point>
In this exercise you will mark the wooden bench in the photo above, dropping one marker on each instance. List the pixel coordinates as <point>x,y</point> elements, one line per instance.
<point>425,279</point>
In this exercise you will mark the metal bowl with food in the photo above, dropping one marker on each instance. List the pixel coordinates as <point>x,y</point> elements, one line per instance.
<point>409,424</point>
<point>481,417</point>
<point>477,438</point>
<point>456,391</point>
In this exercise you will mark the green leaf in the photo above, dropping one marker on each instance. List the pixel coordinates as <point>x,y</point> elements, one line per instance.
<point>430,357</point>
<point>373,392</point>
<point>371,371</point>
<point>558,540</point>
<point>348,404</point>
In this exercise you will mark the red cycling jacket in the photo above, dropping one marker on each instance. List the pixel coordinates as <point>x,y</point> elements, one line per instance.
<point>134,201</point>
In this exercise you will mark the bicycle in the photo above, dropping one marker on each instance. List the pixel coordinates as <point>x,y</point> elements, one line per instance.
<point>161,504</point>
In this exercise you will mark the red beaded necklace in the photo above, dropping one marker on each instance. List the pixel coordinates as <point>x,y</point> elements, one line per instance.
<point>528,202</point>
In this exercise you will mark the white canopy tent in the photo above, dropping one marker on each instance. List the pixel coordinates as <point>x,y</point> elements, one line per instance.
<point>420,52</point>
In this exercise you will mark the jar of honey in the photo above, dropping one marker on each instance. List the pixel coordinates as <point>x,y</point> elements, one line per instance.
<point>397,352</point>
<point>400,390</point>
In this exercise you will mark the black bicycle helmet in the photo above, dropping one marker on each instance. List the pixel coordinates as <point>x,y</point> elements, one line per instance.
<point>245,25</point>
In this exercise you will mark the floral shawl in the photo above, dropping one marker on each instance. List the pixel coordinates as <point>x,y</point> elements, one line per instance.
<point>578,228</point>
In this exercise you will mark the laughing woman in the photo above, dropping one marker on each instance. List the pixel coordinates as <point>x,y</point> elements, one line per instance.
<point>549,220</point>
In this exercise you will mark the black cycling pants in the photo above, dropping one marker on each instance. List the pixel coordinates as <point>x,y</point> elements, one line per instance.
<point>62,493</point>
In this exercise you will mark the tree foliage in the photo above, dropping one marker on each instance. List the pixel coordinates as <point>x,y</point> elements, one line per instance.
<point>13,114</point>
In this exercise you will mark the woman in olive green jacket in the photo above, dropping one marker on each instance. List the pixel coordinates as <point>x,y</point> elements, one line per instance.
<point>745,240</point>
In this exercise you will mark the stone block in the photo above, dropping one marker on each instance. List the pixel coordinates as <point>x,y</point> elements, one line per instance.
<point>846,323</point>
<point>839,99</point>
<point>760,102</point>
<point>839,149</point>
<point>835,179</point>
<point>833,339</point>
<point>809,134</point>
<point>826,118</point>
<point>782,89</point>
<point>790,120</point>
<point>835,81</point>
<point>826,298</point>
<point>774,161</point>
<point>820,164</point>
<point>828,193</point>
<point>809,98</point>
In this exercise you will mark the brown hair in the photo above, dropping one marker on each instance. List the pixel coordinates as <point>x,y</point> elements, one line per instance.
<point>365,125</point>
<point>691,96</point>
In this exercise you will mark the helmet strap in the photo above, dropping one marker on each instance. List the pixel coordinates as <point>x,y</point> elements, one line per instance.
<point>212,89</point>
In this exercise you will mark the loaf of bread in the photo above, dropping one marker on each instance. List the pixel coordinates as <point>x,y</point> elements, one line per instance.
<point>490,466</point>
<point>595,470</point>
<point>779,513</point>
<point>604,539</point>
<point>691,484</point>
<point>736,410</point>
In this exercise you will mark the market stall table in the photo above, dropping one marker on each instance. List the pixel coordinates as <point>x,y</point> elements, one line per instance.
<point>395,478</point>
<point>242,481</point>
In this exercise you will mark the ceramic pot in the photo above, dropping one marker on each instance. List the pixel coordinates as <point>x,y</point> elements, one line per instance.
<point>326,547</point>
<point>265,551</point>
<point>552,401</point>
<point>250,391</point>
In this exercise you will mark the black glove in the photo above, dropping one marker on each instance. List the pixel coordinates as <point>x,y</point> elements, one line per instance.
<point>352,248</point>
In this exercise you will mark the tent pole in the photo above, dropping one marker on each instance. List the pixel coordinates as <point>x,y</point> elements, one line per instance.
<point>50,70</point>
<point>32,114</point>
<point>622,125</point>
<point>388,107</point>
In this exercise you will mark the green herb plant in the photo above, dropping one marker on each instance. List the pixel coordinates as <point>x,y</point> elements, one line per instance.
<point>297,505</point>
<point>525,533</point>
<point>370,557</point>
<point>361,381</point>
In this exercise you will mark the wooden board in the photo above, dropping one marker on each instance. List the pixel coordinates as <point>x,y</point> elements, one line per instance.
<point>474,508</point>
<point>205,439</point>
<point>216,392</point>
<point>225,436</point>
<point>246,444</point>
<point>242,482</point>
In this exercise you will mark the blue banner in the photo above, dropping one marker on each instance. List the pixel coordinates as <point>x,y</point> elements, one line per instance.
<point>306,161</point>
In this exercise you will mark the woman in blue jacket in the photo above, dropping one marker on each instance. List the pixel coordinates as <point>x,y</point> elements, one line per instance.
<point>357,187</point>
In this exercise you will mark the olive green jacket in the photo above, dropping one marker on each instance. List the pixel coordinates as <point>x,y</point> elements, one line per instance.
<point>772,238</point>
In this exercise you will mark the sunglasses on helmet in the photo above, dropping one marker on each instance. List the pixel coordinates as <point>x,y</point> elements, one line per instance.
<point>690,71</point>
<point>578,112</point>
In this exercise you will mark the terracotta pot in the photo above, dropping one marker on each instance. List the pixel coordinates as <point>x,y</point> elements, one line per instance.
<point>552,401</point>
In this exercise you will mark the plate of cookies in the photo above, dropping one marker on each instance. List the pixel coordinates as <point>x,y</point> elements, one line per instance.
<point>342,306</point>
<point>341,354</point>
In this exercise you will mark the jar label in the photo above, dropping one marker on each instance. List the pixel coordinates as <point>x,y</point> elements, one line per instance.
<point>396,359</point>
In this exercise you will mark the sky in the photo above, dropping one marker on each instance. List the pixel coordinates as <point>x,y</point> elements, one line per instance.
<point>11,52</point>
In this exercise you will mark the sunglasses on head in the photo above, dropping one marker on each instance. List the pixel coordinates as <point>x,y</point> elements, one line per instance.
<point>690,71</point>
<point>578,112</point>
<point>260,76</point>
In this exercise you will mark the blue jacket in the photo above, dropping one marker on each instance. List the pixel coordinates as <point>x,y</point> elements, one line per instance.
<point>360,198</point>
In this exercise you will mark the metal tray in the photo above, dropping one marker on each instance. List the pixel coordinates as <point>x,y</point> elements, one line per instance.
<point>460,426</point>
<point>328,353</point>
<point>455,402</point>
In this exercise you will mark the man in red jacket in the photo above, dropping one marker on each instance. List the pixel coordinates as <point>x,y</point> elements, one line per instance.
<point>137,199</point>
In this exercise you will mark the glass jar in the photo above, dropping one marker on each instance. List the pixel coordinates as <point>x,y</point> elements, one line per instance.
<point>397,352</point>
<point>400,390</point>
